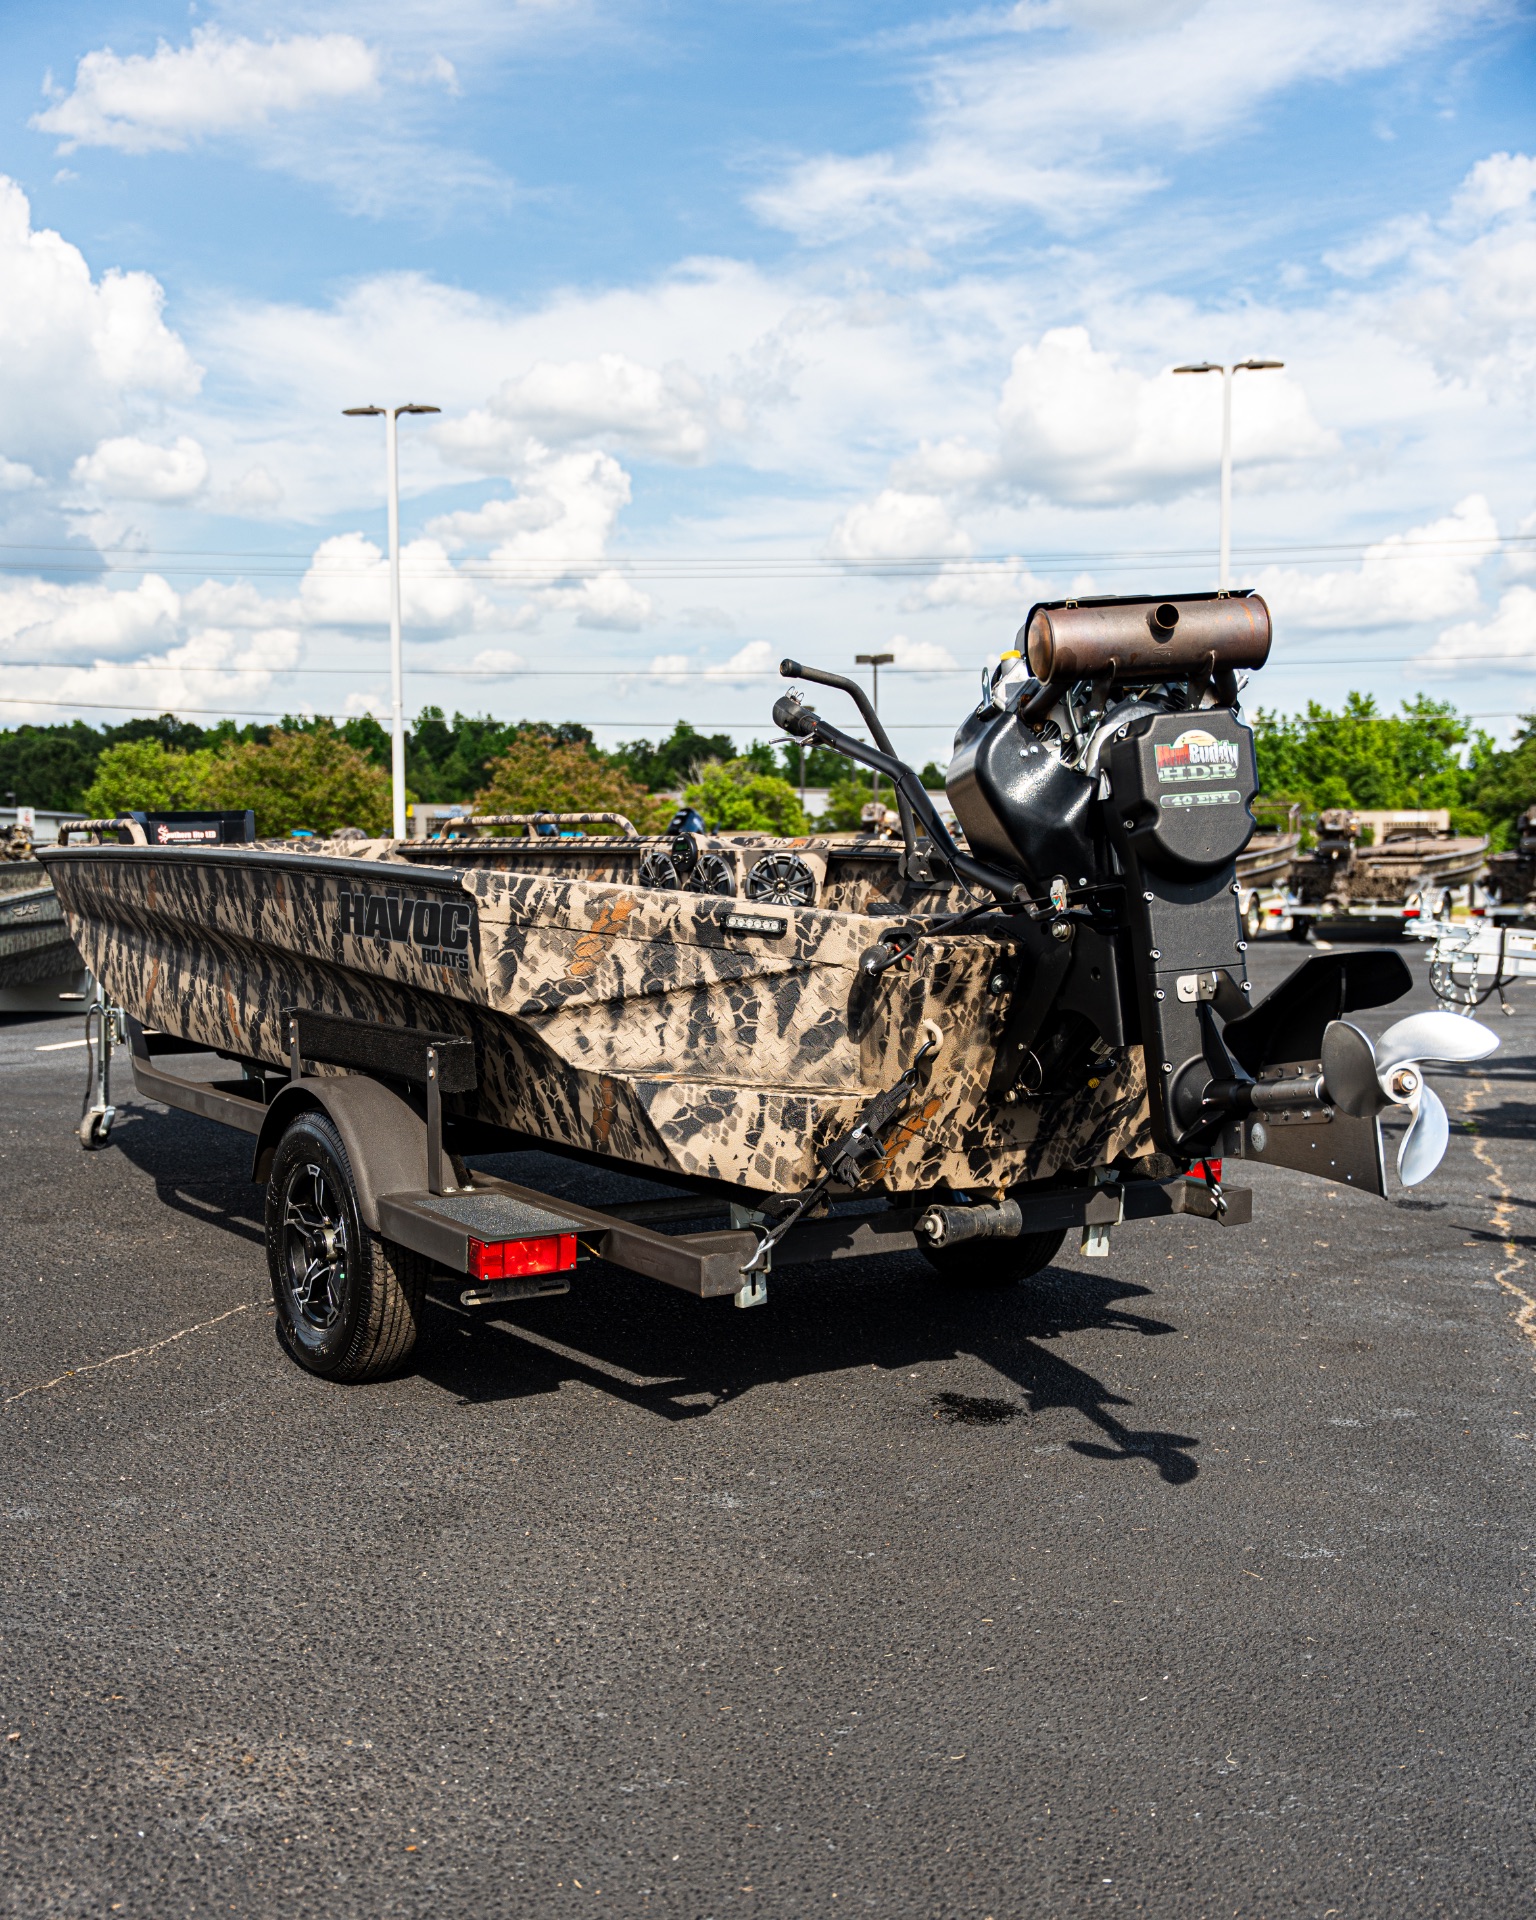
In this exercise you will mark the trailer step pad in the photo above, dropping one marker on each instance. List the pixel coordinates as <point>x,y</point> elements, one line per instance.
<point>450,1227</point>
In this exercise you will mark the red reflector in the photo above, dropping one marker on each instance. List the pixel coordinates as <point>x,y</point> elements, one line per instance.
<point>516,1259</point>
<point>1410,913</point>
<point>1207,1170</point>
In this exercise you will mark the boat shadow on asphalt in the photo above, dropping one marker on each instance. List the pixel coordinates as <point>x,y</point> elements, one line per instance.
<point>681,1358</point>
<point>199,1169</point>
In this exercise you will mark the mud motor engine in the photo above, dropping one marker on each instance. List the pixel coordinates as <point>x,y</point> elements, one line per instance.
<point>1104,785</point>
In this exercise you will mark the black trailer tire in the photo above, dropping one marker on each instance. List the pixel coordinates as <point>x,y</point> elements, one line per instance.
<point>995,1263</point>
<point>348,1302</point>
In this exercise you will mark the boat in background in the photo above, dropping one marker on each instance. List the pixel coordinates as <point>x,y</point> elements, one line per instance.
<point>40,965</point>
<point>1412,866</point>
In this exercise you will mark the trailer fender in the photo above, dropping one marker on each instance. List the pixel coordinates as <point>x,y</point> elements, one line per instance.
<point>385,1137</point>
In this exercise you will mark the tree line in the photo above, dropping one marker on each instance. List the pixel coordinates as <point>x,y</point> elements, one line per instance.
<point>321,774</point>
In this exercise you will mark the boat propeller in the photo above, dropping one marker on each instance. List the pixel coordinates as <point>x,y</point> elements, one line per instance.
<point>1362,1079</point>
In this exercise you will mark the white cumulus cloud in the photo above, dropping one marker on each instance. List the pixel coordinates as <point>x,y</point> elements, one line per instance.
<point>41,619</point>
<point>1076,424</point>
<point>209,669</point>
<point>78,352</point>
<point>896,525</point>
<point>347,585</point>
<point>1507,642</point>
<point>219,83</point>
<point>1428,573</point>
<point>128,468</point>
<point>663,412</point>
<point>921,656</point>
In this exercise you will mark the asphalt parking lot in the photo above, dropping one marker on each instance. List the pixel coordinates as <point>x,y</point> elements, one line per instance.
<point>1197,1582</point>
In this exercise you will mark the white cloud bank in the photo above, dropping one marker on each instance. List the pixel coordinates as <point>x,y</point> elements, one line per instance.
<point>347,585</point>
<point>1050,106</point>
<point>1075,424</point>
<point>218,84</point>
<point>1428,573</point>
<point>78,352</point>
<point>131,469</point>
<point>664,412</point>
<point>1504,643</point>
<point>546,536</point>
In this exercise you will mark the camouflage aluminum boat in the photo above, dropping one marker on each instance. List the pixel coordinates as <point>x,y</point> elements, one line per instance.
<point>1047,1027</point>
<point>38,960</point>
<point>1414,869</point>
<point>717,1034</point>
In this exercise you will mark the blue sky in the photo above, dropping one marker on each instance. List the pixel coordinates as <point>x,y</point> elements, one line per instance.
<point>756,328</point>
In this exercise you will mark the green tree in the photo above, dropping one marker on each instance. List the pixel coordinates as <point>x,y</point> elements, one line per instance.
<point>1503,784</point>
<point>49,766</point>
<point>540,773</point>
<point>371,740</point>
<point>670,764</point>
<point>734,797</point>
<point>147,776</point>
<point>846,801</point>
<point>1359,757</point>
<point>311,778</point>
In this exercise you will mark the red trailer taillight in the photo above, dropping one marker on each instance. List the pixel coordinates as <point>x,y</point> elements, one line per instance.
<point>518,1259</point>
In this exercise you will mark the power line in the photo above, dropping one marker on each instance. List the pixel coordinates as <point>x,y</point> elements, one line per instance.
<point>536,571</point>
<point>1394,543</point>
<point>734,726</point>
<point>686,676</point>
<point>253,713</point>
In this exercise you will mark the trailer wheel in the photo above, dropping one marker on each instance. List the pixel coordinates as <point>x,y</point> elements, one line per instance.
<point>995,1263</point>
<point>348,1302</point>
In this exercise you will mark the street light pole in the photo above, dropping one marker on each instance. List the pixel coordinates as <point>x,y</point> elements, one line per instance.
<point>1226,372</point>
<point>874,661</point>
<point>396,660</point>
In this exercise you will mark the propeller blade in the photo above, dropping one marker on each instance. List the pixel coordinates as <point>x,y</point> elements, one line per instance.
<point>1433,1036</point>
<point>1428,1133</point>
<point>1350,1069</point>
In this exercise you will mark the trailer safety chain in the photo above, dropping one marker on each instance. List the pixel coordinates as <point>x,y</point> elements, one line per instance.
<point>1451,992</point>
<point>844,1159</point>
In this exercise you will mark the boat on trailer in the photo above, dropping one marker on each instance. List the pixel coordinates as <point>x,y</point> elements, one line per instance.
<point>829,1047</point>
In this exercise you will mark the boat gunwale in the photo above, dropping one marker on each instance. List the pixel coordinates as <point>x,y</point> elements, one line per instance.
<point>383,873</point>
<point>445,877</point>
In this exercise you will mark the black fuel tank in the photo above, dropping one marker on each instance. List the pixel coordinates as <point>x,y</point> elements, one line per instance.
<point>1021,805</point>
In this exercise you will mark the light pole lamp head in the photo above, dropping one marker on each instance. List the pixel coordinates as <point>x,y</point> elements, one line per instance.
<point>354,412</point>
<point>1201,366</point>
<point>1257,366</point>
<point>873,659</point>
<point>414,408</point>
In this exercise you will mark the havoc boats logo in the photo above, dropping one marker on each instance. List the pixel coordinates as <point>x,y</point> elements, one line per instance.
<point>1197,760</point>
<point>437,929</point>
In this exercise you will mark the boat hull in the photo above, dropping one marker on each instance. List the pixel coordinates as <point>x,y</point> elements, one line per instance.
<point>38,958</point>
<point>689,1034</point>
